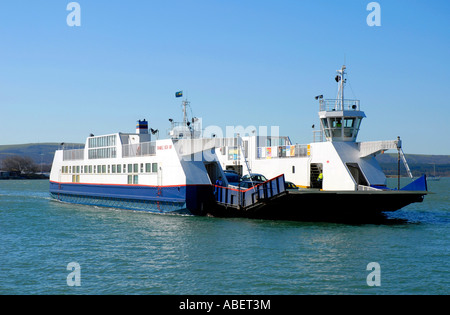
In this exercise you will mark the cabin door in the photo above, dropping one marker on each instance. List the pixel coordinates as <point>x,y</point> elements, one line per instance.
<point>213,172</point>
<point>358,176</point>
<point>315,170</point>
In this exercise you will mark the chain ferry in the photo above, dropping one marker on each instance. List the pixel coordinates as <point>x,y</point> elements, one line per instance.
<point>188,173</point>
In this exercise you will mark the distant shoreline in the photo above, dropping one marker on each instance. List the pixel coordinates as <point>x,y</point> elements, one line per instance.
<point>25,177</point>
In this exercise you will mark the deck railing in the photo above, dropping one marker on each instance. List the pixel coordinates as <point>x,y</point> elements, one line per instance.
<point>139,149</point>
<point>73,155</point>
<point>283,151</point>
<point>330,105</point>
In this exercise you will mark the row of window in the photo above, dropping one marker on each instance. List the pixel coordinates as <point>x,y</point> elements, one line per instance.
<point>132,179</point>
<point>106,153</point>
<point>333,127</point>
<point>104,141</point>
<point>111,169</point>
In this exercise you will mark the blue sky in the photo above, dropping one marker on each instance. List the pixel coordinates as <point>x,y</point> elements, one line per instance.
<point>240,62</point>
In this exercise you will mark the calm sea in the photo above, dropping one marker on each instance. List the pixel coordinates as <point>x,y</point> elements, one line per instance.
<point>125,252</point>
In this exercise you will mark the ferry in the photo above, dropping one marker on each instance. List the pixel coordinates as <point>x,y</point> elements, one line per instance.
<point>130,171</point>
<point>188,173</point>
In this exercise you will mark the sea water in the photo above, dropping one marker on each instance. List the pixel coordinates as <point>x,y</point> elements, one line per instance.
<point>49,247</point>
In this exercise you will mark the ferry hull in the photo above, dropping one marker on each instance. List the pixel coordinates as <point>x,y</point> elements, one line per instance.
<point>192,199</point>
<point>310,205</point>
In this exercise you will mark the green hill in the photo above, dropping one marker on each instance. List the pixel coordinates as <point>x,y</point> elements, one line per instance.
<point>41,153</point>
<point>418,163</point>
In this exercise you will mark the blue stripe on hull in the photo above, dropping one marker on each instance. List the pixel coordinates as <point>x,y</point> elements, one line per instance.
<point>140,198</point>
<point>127,204</point>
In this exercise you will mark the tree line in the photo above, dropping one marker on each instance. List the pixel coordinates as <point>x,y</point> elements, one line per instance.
<point>22,165</point>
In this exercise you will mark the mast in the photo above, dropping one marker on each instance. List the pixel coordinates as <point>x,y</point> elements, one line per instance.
<point>340,78</point>
<point>184,104</point>
<point>342,86</point>
<point>340,118</point>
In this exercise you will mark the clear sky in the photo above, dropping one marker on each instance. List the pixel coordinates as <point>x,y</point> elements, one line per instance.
<point>240,62</point>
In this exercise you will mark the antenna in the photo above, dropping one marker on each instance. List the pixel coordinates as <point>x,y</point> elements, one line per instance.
<point>340,78</point>
<point>185,103</point>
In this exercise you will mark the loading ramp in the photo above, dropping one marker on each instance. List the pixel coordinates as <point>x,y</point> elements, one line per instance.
<point>251,198</point>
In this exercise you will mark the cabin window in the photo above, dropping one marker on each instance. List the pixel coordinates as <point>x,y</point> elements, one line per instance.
<point>148,167</point>
<point>119,168</point>
<point>155,168</point>
<point>104,169</point>
<point>348,127</point>
<point>336,123</point>
<point>293,169</point>
<point>135,179</point>
<point>109,169</point>
<point>130,179</point>
<point>90,169</point>
<point>113,169</point>
<point>348,122</point>
<point>130,168</point>
<point>142,167</point>
<point>135,168</point>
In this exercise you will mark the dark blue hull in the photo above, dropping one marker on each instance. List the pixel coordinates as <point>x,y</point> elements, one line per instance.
<point>191,199</point>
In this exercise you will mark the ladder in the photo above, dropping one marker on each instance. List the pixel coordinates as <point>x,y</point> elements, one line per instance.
<point>405,163</point>
<point>314,174</point>
<point>241,149</point>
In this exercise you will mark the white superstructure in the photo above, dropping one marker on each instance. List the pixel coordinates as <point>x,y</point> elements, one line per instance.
<point>345,165</point>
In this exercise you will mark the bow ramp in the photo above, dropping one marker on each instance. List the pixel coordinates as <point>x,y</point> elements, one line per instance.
<point>246,199</point>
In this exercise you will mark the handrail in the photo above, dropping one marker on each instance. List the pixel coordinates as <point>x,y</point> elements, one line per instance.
<point>330,105</point>
<point>139,149</point>
<point>73,155</point>
<point>282,151</point>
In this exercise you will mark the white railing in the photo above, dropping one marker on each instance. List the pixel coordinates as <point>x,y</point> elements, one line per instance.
<point>367,188</point>
<point>375,147</point>
<point>330,105</point>
<point>73,155</point>
<point>317,136</point>
<point>284,151</point>
<point>139,149</point>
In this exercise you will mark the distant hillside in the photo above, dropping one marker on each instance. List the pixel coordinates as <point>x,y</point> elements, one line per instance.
<point>39,152</point>
<point>42,153</point>
<point>419,164</point>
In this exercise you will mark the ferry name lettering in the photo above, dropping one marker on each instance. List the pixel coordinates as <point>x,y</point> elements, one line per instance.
<point>164,147</point>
